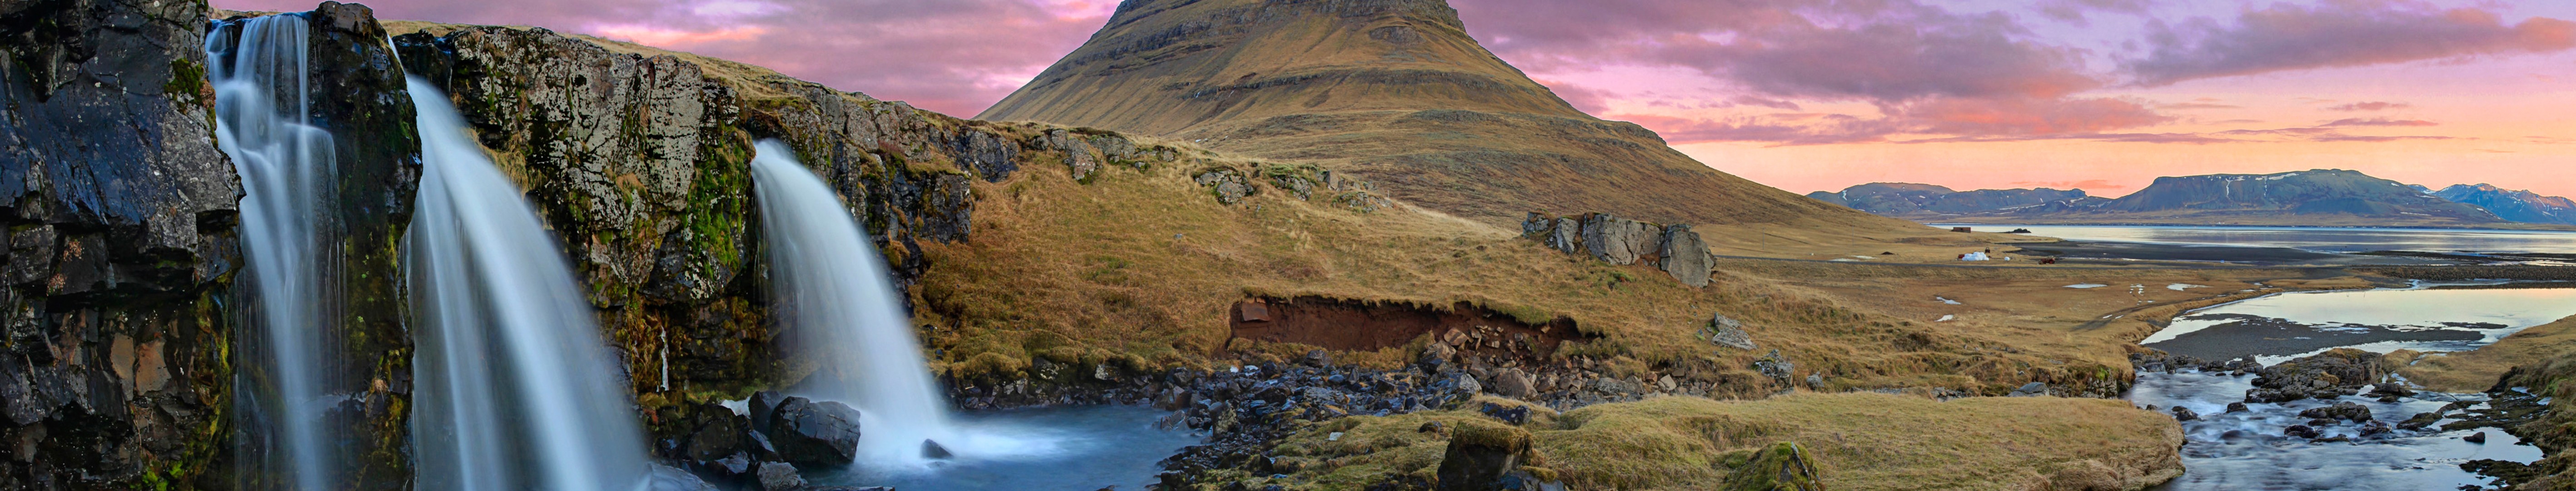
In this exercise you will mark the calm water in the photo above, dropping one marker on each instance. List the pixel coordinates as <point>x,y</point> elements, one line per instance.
<point>2279,327</point>
<point>2257,456</point>
<point>2315,238</point>
<point>1077,448</point>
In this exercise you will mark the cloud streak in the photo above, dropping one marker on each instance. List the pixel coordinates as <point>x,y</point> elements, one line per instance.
<point>2337,33</point>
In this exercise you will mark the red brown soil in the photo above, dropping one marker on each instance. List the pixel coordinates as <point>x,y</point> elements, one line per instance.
<point>1352,325</point>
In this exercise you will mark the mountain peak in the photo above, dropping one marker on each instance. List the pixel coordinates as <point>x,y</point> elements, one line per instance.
<point>1397,92</point>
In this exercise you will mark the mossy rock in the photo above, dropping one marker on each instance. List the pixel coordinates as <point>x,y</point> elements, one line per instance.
<point>1782,467</point>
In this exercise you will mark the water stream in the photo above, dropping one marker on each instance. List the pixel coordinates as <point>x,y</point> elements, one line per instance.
<point>837,301</point>
<point>262,121</point>
<point>515,389</point>
<point>2248,449</point>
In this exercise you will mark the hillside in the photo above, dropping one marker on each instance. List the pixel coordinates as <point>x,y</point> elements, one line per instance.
<point>2516,205</point>
<point>1397,92</point>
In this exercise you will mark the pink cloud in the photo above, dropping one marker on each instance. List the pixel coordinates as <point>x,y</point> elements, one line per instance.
<point>2380,122</point>
<point>2369,106</point>
<point>2338,33</point>
<point>950,56</point>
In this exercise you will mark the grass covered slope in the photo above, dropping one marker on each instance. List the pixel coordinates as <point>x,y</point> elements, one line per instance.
<point>1396,91</point>
<point>2477,370</point>
<point>1856,441</point>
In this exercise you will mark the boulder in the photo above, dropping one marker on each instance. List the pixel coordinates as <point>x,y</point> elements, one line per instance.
<point>1514,383</point>
<point>2184,414</point>
<point>2299,431</point>
<point>2235,407</point>
<point>808,432</point>
<point>932,450</point>
<point>779,476</point>
<point>1686,256</point>
<point>1480,454</point>
<point>763,405</point>
<point>2032,389</point>
<point>2346,411</point>
<point>2477,438</point>
<point>1728,332</point>
<point>2328,375</point>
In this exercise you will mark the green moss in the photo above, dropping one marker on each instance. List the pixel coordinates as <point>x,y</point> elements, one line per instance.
<point>187,82</point>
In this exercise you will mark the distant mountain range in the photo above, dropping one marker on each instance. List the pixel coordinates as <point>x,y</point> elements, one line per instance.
<point>2313,197</point>
<point>2513,204</point>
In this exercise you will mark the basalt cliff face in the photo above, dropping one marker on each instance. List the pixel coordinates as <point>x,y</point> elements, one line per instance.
<point>116,366</point>
<point>1397,92</point>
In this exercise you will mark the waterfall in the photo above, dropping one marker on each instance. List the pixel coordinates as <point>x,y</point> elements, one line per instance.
<point>286,165</point>
<point>516,390</point>
<point>837,299</point>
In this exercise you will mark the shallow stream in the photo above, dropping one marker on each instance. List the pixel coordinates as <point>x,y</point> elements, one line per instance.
<point>2248,450</point>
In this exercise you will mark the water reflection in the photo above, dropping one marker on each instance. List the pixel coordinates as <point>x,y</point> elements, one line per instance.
<point>2280,327</point>
<point>2246,450</point>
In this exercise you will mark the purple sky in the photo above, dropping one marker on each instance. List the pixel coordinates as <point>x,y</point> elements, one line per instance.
<point>1820,94</point>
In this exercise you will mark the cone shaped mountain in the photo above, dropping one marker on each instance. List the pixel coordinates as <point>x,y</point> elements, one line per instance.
<point>1396,91</point>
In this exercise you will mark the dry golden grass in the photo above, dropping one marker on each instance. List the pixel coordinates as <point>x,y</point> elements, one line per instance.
<point>1860,441</point>
<point>2477,370</point>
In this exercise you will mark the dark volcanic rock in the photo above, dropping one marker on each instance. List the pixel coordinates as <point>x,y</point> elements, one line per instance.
<point>2299,431</point>
<point>779,476</point>
<point>120,215</point>
<point>2327,375</point>
<point>1479,455</point>
<point>2184,414</point>
<point>808,432</point>
<point>2340,411</point>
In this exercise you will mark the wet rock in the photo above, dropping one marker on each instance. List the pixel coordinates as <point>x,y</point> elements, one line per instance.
<point>2346,411</point>
<point>779,476</point>
<point>2477,438</point>
<point>2375,428</point>
<point>932,450</point>
<point>2299,431</point>
<point>2327,375</point>
<point>2391,389</point>
<point>1480,454</point>
<point>733,465</point>
<point>2236,407</point>
<point>2184,414</point>
<point>764,406</point>
<point>812,433</point>
<point>2421,420</point>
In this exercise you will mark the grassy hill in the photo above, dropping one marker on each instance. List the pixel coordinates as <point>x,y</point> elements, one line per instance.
<point>1397,92</point>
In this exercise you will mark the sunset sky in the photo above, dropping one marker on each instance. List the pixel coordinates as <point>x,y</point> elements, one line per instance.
<point>1808,95</point>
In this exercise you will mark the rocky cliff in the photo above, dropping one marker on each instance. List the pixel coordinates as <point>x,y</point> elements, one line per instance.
<point>116,368</point>
<point>2516,205</point>
<point>1394,91</point>
<point>366,362</point>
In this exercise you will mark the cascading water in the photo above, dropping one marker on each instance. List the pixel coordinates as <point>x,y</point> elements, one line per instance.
<point>516,390</point>
<point>286,166</point>
<point>836,297</point>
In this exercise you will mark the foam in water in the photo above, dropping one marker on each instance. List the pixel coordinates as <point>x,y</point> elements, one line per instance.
<point>844,312</point>
<point>516,390</point>
<point>286,166</point>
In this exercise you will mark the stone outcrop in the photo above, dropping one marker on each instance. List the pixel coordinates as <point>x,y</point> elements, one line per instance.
<point>1480,454</point>
<point>1674,249</point>
<point>2328,375</point>
<point>120,218</point>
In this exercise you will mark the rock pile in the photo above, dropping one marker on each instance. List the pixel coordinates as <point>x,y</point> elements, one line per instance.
<point>1675,249</point>
<point>780,434</point>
